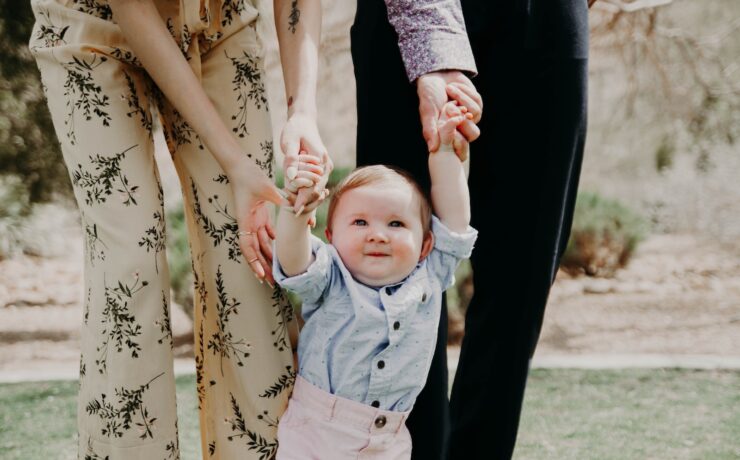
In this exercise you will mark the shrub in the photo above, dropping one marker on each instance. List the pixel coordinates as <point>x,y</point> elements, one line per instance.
<point>178,259</point>
<point>28,146</point>
<point>14,209</point>
<point>605,234</point>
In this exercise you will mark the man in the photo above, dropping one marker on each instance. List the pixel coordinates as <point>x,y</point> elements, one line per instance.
<point>532,58</point>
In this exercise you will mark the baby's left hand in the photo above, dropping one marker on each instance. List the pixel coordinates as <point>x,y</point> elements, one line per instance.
<point>450,118</point>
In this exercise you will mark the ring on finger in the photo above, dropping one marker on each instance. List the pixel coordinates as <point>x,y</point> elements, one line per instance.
<point>250,261</point>
<point>244,233</point>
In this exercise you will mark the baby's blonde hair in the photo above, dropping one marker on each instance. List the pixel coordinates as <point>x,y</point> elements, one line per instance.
<point>379,173</point>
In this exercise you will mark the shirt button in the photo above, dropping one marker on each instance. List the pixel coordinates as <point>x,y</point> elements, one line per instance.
<point>375,403</point>
<point>381,364</point>
<point>396,326</point>
<point>424,297</point>
<point>380,421</point>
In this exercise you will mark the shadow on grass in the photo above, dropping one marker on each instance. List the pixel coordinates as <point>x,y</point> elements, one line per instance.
<point>568,414</point>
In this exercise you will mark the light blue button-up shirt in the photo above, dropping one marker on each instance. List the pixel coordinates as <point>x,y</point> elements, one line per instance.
<point>373,345</point>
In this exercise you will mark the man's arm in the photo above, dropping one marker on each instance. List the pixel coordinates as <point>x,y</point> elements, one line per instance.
<point>436,52</point>
<point>431,36</point>
<point>450,195</point>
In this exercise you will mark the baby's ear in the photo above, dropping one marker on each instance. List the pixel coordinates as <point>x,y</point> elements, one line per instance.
<point>427,245</point>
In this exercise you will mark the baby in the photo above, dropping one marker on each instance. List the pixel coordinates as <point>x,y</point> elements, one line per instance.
<point>371,304</point>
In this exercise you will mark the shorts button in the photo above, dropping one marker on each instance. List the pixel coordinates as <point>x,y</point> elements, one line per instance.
<point>396,326</point>
<point>375,403</point>
<point>424,297</point>
<point>380,421</point>
<point>381,364</point>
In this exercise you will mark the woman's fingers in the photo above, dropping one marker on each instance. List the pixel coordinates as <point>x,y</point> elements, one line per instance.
<point>266,268</point>
<point>270,232</point>
<point>301,181</point>
<point>267,191</point>
<point>248,246</point>
<point>311,176</point>
<point>265,243</point>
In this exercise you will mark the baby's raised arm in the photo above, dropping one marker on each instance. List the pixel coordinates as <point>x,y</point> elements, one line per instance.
<point>450,196</point>
<point>293,245</point>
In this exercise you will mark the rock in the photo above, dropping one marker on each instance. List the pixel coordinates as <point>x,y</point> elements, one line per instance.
<point>597,286</point>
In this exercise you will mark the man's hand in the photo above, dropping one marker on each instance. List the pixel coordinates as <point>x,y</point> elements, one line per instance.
<point>434,90</point>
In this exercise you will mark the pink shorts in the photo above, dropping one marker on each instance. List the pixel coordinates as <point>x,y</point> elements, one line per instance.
<point>320,426</point>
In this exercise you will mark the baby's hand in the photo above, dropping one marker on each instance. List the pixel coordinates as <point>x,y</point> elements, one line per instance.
<point>306,173</point>
<point>450,118</point>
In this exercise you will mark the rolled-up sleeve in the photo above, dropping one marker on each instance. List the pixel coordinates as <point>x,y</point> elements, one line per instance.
<point>449,249</point>
<point>431,36</point>
<point>311,284</point>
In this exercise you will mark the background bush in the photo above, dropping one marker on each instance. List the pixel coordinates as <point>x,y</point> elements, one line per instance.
<point>28,146</point>
<point>605,234</point>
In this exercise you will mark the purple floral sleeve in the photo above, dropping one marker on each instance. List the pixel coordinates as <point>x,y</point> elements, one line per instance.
<point>431,35</point>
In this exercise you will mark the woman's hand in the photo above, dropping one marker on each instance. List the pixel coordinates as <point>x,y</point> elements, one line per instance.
<point>301,136</point>
<point>253,191</point>
<point>304,176</point>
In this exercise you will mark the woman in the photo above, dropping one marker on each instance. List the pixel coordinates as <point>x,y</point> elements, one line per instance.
<point>104,67</point>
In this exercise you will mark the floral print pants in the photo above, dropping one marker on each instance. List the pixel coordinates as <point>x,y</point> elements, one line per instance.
<point>102,104</point>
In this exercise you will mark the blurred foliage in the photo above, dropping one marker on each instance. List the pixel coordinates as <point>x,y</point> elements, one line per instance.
<point>14,209</point>
<point>28,146</point>
<point>178,259</point>
<point>664,154</point>
<point>604,236</point>
<point>673,72</point>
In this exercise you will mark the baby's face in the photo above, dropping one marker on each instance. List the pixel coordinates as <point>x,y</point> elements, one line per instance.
<point>377,232</point>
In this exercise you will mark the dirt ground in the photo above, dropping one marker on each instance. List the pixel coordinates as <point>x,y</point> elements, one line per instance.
<point>680,295</point>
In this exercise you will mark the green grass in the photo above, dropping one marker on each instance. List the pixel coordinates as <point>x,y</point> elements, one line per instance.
<point>635,414</point>
<point>37,420</point>
<point>568,414</point>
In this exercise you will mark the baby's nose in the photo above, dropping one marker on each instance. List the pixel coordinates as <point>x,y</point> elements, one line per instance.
<point>377,235</point>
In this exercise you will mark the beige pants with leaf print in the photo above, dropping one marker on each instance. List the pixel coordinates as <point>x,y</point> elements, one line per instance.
<point>101,103</point>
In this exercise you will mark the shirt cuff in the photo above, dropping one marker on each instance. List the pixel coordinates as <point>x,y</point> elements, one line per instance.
<point>423,52</point>
<point>310,284</point>
<point>459,245</point>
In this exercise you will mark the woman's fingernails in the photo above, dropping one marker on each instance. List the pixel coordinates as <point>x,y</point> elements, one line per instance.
<point>291,172</point>
<point>299,211</point>
<point>271,285</point>
<point>258,278</point>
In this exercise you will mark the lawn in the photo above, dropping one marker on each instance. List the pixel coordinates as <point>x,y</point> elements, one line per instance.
<point>568,414</point>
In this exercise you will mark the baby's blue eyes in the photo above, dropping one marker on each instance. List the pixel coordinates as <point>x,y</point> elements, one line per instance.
<point>363,223</point>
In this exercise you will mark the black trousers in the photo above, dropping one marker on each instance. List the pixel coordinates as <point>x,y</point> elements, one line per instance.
<point>523,180</point>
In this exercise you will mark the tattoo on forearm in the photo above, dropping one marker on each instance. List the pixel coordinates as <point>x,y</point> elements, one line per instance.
<point>295,16</point>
